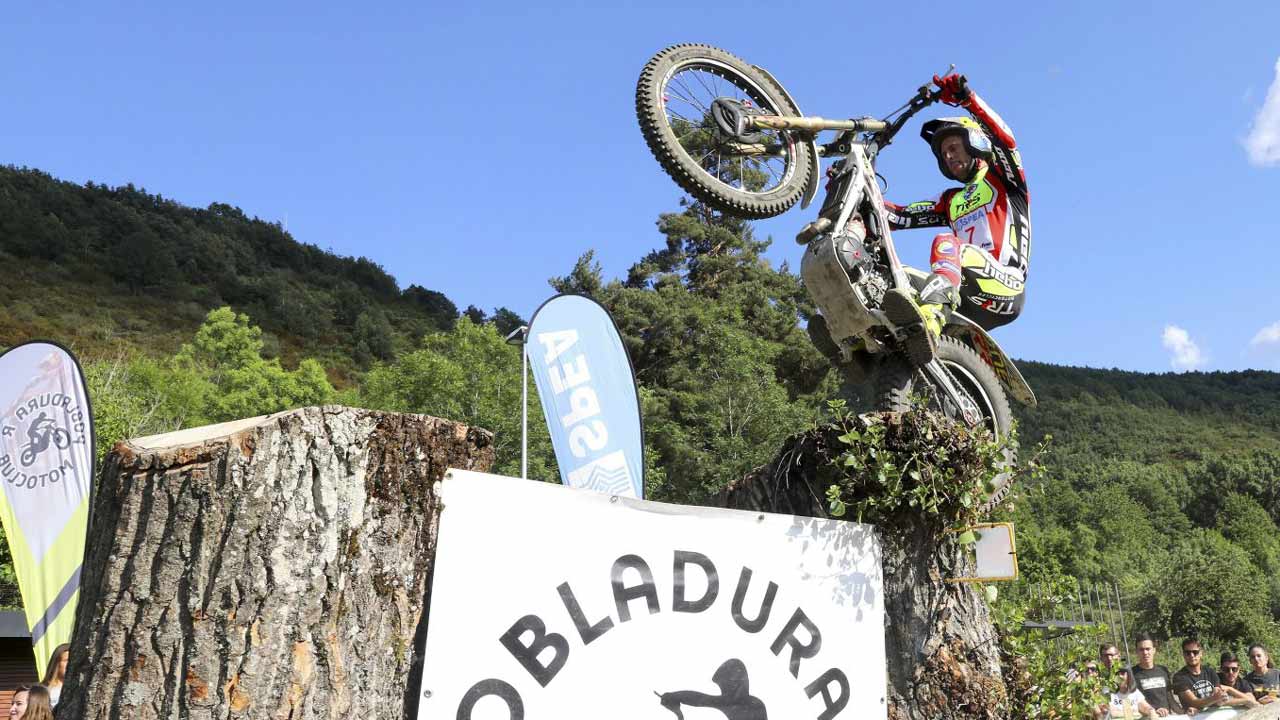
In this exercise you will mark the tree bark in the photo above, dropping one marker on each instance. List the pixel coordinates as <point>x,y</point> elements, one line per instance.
<point>275,567</point>
<point>941,647</point>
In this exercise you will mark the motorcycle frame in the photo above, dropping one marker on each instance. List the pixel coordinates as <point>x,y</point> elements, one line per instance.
<point>859,144</point>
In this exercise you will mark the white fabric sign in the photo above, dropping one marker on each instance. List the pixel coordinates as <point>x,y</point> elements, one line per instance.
<point>46,442</point>
<point>46,469</point>
<point>554,602</point>
<point>995,553</point>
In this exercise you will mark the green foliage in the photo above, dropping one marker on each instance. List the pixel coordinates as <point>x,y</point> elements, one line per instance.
<point>221,375</point>
<point>471,375</point>
<point>140,257</point>
<point>913,462</point>
<point>726,372</point>
<point>225,361</point>
<point>1047,679</point>
<point>1184,605</point>
<point>10,595</point>
<point>1168,485</point>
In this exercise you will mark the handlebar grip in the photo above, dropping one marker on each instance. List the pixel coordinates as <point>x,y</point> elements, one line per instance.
<point>872,125</point>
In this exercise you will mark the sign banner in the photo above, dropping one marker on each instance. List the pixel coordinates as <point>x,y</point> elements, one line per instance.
<point>667,611</point>
<point>46,465</point>
<point>588,393</point>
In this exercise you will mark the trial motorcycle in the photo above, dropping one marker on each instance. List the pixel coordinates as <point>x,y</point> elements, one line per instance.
<point>730,135</point>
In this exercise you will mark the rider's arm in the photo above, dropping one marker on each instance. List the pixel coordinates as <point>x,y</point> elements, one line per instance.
<point>1007,160</point>
<point>927,213</point>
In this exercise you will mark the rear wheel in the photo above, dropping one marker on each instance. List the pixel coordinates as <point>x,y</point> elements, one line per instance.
<point>673,104</point>
<point>898,381</point>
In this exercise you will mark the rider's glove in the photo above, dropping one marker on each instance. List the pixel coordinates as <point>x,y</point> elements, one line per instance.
<point>955,89</point>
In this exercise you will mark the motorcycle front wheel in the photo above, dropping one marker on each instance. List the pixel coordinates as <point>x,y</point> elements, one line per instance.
<point>673,104</point>
<point>897,382</point>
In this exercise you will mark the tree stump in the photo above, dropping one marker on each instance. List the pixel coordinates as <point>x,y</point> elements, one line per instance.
<point>274,567</point>
<point>941,647</point>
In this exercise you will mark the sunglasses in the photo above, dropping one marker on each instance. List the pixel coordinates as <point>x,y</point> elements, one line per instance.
<point>1230,670</point>
<point>1190,652</point>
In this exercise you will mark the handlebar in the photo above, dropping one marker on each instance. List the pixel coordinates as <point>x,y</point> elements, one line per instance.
<point>883,130</point>
<point>923,98</point>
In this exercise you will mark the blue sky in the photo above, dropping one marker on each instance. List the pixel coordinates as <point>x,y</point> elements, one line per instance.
<point>479,150</point>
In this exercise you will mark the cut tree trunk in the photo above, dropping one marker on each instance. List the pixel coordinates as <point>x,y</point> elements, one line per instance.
<point>274,567</point>
<point>941,648</point>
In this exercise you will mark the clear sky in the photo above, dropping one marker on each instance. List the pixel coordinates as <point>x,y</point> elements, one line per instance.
<point>479,148</point>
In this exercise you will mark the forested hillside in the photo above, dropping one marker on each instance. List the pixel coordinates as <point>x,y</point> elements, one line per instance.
<point>1167,484</point>
<point>153,268</point>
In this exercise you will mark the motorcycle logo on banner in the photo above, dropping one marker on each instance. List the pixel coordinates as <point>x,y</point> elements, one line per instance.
<point>588,392</point>
<point>46,471</point>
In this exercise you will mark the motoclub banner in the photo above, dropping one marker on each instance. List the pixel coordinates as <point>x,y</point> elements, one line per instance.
<point>46,464</point>
<point>588,393</point>
<point>552,602</point>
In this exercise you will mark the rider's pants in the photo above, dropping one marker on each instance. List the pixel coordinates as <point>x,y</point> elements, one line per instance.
<point>990,293</point>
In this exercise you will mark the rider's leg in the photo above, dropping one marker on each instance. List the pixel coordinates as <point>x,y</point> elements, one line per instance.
<point>923,319</point>
<point>991,294</point>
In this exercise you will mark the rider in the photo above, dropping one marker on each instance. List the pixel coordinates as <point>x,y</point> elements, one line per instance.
<point>980,267</point>
<point>37,431</point>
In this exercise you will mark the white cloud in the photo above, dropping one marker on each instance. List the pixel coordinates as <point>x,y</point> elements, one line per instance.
<point>1269,335</point>
<point>1186,354</point>
<point>1263,140</point>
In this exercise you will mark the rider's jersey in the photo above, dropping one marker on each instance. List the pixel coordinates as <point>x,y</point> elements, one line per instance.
<point>992,210</point>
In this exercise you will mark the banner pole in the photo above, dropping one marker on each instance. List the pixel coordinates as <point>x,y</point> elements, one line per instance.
<point>521,336</point>
<point>524,403</point>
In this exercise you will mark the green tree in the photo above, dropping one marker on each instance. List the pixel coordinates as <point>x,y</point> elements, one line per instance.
<point>1189,600</point>
<point>373,336</point>
<point>471,375</point>
<point>506,321</point>
<point>227,354</point>
<point>220,375</point>
<point>713,331</point>
<point>1248,526</point>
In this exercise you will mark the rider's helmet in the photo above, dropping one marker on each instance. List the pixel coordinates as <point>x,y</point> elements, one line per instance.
<point>976,141</point>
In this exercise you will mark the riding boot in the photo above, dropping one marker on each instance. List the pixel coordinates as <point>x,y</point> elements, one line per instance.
<point>922,319</point>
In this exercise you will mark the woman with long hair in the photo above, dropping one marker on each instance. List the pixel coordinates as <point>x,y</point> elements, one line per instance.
<point>57,672</point>
<point>18,705</point>
<point>38,707</point>
<point>1264,678</point>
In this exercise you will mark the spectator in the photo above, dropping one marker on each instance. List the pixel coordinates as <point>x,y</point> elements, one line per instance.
<point>1123,699</point>
<point>1196,686</point>
<point>1200,687</point>
<point>57,670</point>
<point>1153,680</point>
<point>1116,676</point>
<point>1229,671</point>
<point>1264,678</point>
<point>38,707</point>
<point>18,705</point>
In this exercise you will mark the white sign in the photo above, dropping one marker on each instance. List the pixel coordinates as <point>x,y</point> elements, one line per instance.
<point>995,553</point>
<point>554,602</point>
<point>997,558</point>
